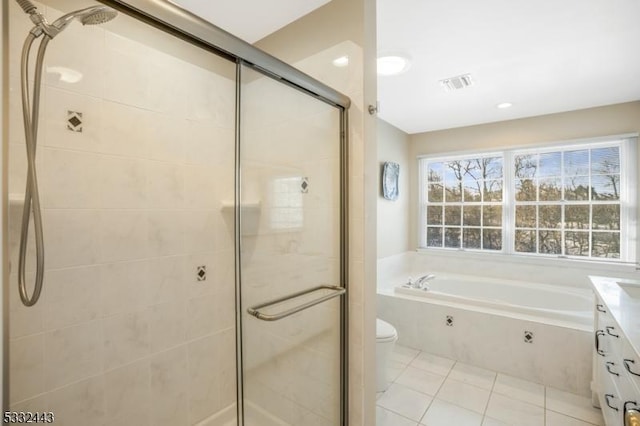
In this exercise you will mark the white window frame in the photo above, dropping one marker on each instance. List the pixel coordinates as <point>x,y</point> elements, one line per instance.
<point>423,172</point>
<point>628,195</point>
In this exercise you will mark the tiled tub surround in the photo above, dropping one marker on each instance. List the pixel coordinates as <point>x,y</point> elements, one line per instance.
<point>552,355</point>
<point>436,391</point>
<point>491,331</point>
<point>125,333</point>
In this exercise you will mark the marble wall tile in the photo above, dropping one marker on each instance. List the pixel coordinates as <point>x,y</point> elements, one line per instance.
<point>76,403</point>
<point>165,185</point>
<point>27,367</point>
<point>122,183</point>
<point>73,297</point>
<point>123,131</point>
<point>122,235</point>
<point>56,106</point>
<point>73,233</point>
<point>166,280</point>
<point>208,144</point>
<point>201,316</point>
<point>72,354</point>
<point>75,61</point>
<point>124,286</point>
<point>39,404</point>
<point>167,136</point>
<point>127,394</point>
<point>70,179</point>
<point>167,325</point>
<point>200,230</point>
<point>204,388</point>
<point>25,320</point>
<point>166,235</point>
<point>200,188</point>
<point>169,387</point>
<point>214,263</point>
<point>127,84</point>
<point>126,338</point>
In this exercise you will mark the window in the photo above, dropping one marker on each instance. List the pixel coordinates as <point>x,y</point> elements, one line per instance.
<point>570,201</point>
<point>464,207</point>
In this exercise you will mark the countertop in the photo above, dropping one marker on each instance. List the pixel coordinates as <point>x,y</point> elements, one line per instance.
<point>624,309</point>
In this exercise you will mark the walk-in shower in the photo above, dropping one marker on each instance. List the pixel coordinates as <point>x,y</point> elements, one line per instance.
<point>31,109</point>
<point>193,193</point>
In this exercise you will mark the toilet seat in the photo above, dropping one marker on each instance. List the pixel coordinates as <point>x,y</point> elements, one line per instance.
<point>385,332</point>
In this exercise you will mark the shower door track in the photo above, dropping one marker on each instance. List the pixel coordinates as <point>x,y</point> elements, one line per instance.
<point>184,25</point>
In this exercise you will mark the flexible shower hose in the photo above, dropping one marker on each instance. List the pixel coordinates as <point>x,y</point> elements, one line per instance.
<point>32,195</point>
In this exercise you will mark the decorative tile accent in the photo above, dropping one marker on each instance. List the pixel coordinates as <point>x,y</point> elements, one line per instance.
<point>528,336</point>
<point>201,273</point>
<point>74,121</point>
<point>449,321</point>
<point>304,185</point>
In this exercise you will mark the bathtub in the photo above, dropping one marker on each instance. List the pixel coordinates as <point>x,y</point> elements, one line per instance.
<point>549,304</point>
<point>533,331</point>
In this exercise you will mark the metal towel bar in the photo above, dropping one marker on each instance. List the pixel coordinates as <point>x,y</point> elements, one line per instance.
<point>335,292</point>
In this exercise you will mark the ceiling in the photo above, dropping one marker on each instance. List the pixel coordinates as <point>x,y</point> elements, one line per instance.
<point>544,57</point>
<point>250,20</point>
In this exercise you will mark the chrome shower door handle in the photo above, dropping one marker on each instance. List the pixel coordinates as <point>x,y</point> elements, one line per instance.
<point>334,291</point>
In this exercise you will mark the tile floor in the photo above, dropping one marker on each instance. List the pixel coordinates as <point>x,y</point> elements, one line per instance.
<point>434,391</point>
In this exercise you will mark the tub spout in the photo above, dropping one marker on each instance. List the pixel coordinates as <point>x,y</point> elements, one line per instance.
<point>421,282</point>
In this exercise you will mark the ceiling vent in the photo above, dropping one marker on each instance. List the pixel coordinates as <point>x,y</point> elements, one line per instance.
<point>458,82</point>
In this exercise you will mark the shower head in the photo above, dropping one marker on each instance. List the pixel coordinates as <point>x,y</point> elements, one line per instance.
<point>90,16</point>
<point>97,17</point>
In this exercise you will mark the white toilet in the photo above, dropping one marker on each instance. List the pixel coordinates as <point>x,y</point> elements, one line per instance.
<point>386,336</point>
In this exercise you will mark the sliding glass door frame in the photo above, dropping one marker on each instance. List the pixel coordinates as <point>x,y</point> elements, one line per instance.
<point>344,239</point>
<point>174,20</point>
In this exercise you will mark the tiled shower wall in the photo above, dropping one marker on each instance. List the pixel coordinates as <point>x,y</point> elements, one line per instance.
<point>125,332</point>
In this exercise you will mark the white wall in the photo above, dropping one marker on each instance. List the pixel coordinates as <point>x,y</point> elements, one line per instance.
<point>393,216</point>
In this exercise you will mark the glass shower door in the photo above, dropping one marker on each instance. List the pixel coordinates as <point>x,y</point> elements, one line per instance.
<point>290,255</point>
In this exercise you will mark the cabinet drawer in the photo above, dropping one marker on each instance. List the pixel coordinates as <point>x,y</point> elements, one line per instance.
<point>628,393</point>
<point>611,336</point>
<point>610,401</point>
<point>631,365</point>
<point>606,343</point>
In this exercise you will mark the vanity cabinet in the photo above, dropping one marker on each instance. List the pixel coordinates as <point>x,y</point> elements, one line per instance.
<point>616,365</point>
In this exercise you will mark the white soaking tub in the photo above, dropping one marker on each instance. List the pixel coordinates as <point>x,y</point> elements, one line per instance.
<point>548,303</point>
<point>533,331</point>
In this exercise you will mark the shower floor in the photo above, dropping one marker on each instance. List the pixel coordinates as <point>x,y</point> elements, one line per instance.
<point>434,391</point>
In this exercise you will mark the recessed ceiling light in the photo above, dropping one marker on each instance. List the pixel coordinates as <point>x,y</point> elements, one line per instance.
<point>504,105</point>
<point>341,62</point>
<point>392,64</point>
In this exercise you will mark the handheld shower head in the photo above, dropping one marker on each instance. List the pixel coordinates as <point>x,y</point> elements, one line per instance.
<point>99,16</point>
<point>90,16</point>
